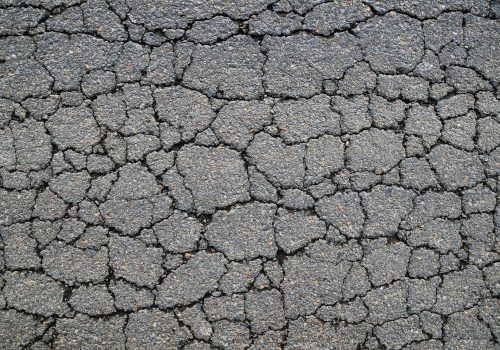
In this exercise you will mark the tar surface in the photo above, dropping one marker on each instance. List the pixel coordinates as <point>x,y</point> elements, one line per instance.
<point>249,175</point>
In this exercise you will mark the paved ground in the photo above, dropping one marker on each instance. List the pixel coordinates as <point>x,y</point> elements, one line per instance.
<point>293,174</point>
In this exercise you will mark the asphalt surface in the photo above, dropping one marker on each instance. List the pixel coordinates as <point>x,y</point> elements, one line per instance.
<point>261,175</point>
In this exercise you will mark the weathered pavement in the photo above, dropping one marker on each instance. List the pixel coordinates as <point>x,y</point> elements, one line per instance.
<point>292,174</point>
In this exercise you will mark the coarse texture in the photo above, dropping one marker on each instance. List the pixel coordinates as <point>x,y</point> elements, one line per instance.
<point>250,175</point>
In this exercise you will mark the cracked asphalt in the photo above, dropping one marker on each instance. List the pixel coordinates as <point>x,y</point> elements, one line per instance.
<point>250,175</point>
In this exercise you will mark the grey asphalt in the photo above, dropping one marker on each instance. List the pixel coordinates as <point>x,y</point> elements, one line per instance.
<point>250,175</point>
